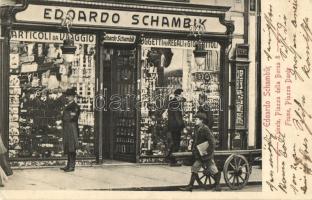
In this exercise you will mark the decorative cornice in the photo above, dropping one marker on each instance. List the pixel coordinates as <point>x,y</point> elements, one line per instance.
<point>7,12</point>
<point>169,7</point>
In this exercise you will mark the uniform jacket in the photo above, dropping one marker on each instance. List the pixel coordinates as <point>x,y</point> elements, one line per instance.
<point>175,118</point>
<point>203,134</point>
<point>70,127</point>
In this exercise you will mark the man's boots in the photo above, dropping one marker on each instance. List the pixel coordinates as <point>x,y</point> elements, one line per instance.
<point>72,162</point>
<point>67,164</point>
<point>191,184</point>
<point>217,178</point>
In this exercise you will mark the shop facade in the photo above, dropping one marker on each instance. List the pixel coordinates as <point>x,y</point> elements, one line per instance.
<point>130,58</point>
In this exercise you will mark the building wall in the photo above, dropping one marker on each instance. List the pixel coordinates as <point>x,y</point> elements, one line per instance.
<point>252,79</point>
<point>236,14</point>
<point>245,22</point>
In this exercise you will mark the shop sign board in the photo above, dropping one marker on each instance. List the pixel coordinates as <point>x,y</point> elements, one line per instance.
<point>92,17</point>
<point>119,38</point>
<point>176,43</point>
<point>53,37</point>
<point>242,51</point>
<point>41,36</point>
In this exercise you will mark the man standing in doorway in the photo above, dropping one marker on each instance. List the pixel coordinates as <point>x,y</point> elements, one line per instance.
<point>70,129</point>
<point>175,124</point>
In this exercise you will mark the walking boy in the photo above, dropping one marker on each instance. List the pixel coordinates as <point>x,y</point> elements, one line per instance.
<point>203,134</point>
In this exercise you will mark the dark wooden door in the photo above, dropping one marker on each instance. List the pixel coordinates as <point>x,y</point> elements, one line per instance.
<point>120,116</point>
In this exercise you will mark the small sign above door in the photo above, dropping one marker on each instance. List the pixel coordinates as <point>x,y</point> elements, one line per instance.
<point>119,38</point>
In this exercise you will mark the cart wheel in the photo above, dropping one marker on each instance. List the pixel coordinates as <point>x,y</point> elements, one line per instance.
<point>205,177</point>
<point>236,171</point>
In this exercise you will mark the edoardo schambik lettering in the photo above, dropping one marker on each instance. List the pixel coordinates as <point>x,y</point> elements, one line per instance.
<point>142,19</point>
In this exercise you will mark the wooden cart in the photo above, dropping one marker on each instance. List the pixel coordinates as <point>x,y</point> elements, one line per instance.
<point>235,164</point>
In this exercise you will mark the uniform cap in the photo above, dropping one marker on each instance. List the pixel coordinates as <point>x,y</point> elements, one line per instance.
<point>70,92</point>
<point>178,91</point>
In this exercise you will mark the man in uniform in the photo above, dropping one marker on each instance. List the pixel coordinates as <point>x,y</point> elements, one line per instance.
<point>175,124</point>
<point>201,135</point>
<point>70,129</point>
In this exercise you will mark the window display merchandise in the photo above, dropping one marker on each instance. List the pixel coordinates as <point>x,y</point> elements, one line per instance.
<point>38,78</point>
<point>163,71</point>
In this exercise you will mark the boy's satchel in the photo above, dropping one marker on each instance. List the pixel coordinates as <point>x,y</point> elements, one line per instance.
<point>202,148</point>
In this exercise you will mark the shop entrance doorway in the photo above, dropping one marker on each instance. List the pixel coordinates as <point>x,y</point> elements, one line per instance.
<point>119,115</point>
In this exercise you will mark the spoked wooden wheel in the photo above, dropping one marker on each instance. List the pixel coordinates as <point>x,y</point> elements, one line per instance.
<point>205,177</point>
<point>236,171</point>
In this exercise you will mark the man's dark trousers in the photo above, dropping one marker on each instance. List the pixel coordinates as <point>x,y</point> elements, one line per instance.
<point>175,145</point>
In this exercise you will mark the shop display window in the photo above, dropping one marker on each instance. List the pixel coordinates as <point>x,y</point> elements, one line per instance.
<point>165,69</point>
<point>38,78</point>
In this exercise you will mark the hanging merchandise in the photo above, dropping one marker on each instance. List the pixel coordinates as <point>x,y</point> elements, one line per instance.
<point>52,53</point>
<point>14,60</point>
<point>36,100</point>
<point>163,71</point>
<point>29,67</point>
<point>35,81</point>
<point>45,78</point>
<point>53,83</point>
<point>64,73</point>
<point>30,47</point>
